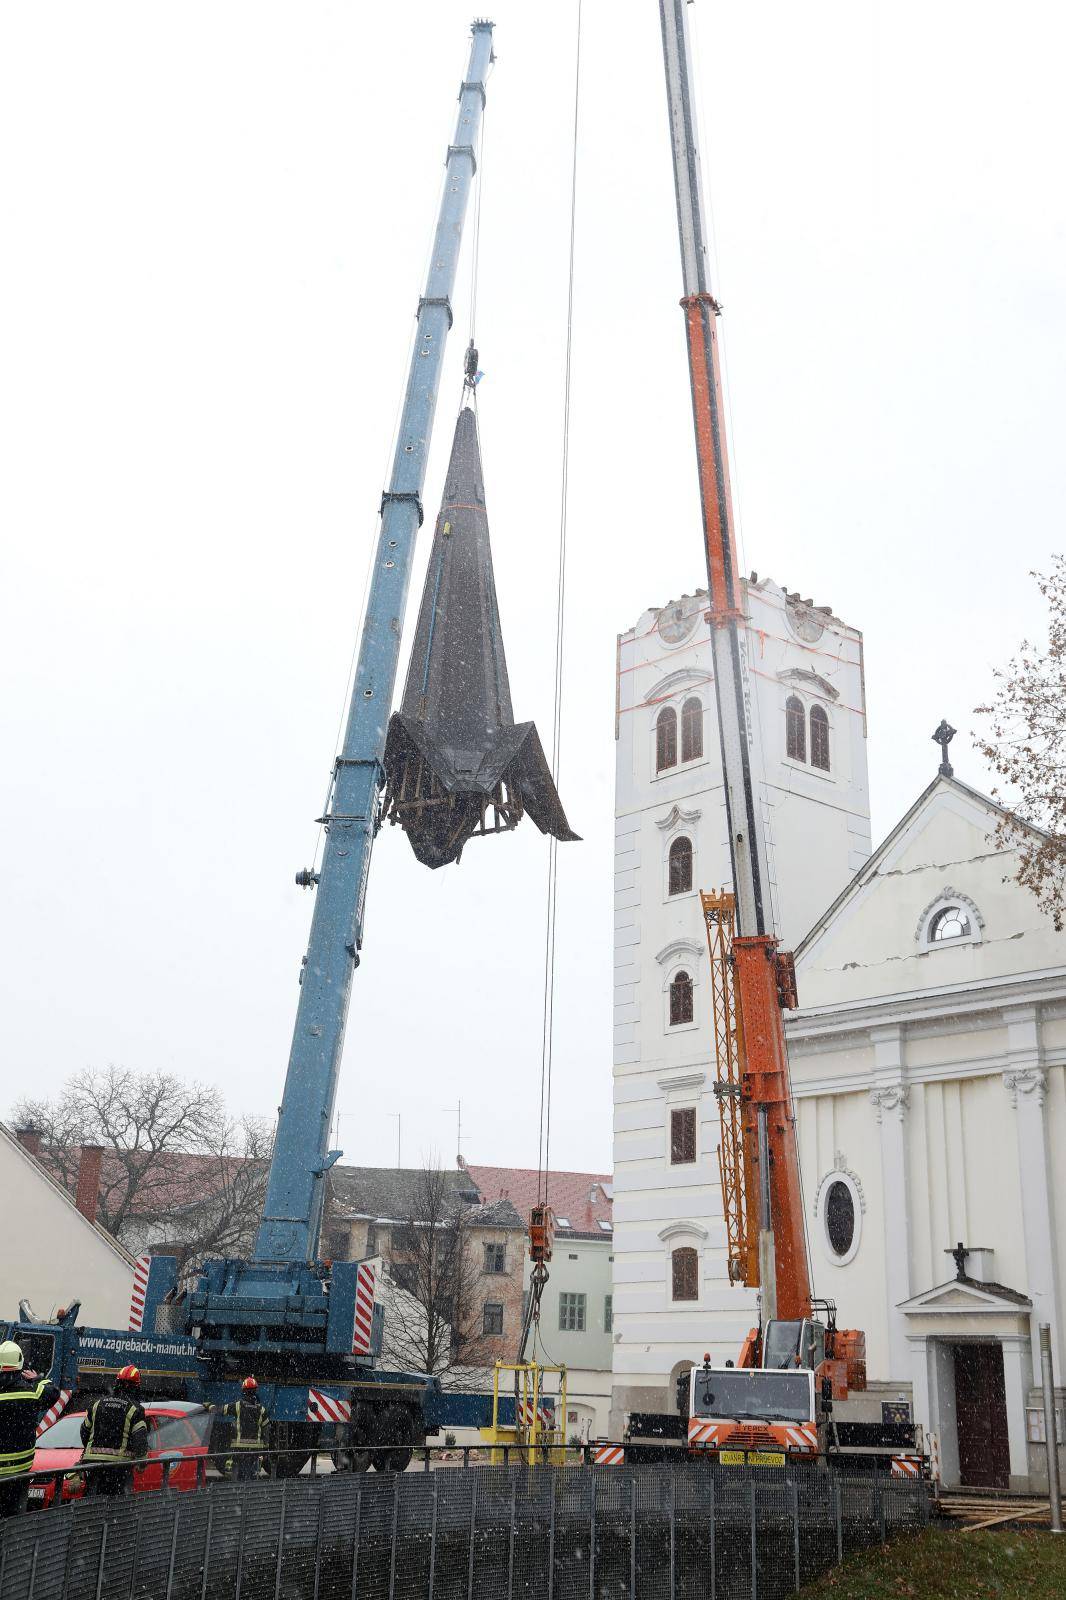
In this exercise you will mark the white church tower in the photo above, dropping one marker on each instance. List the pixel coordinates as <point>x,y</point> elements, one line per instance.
<point>672,1299</point>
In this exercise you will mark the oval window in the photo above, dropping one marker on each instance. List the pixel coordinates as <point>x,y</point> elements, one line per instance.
<point>840,1218</point>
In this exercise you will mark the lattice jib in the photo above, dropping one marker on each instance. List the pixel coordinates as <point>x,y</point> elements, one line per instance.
<point>719,914</point>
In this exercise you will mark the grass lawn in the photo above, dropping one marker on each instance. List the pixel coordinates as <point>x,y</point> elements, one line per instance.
<point>946,1564</point>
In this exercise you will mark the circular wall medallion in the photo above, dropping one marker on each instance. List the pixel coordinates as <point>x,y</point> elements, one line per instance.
<point>675,622</point>
<point>804,621</point>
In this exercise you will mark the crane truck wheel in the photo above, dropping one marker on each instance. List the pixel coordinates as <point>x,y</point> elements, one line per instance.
<point>354,1453</point>
<point>395,1426</point>
<point>298,1440</point>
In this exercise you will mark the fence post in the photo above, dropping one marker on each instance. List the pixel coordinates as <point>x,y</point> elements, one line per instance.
<point>281,1538</point>
<point>473,1536</point>
<point>714,1544</point>
<point>840,1522</point>
<point>355,1537</point>
<point>207,1550</point>
<point>551,1538</point>
<point>510,1546</point>
<point>174,1552</point>
<point>425,1459</point>
<point>673,1534</point>
<point>632,1539</point>
<point>796,1530</point>
<point>318,1544</point>
<point>433,1538</point>
<point>880,1510</point>
<point>99,1567</point>
<point>754,1546</point>
<point>395,1515</point>
<point>592,1540</point>
<point>33,1564</point>
<point>240,1543</point>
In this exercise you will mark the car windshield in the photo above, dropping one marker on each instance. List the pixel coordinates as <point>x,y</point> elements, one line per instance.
<point>64,1434</point>
<point>755,1393</point>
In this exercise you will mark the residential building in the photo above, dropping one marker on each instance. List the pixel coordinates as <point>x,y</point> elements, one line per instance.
<point>54,1252</point>
<point>804,685</point>
<point>576,1323</point>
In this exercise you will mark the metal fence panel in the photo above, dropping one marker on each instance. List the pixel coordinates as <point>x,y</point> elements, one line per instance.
<point>690,1532</point>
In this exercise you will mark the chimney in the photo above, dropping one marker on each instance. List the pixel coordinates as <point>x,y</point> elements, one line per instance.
<point>30,1138</point>
<point>88,1191</point>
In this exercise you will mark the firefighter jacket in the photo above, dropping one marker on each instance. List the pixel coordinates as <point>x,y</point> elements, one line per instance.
<point>22,1403</point>
<point>251,1419</point>
<point>114,1429</point>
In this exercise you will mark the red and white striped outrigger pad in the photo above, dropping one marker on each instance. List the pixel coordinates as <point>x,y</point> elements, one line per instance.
<point>365,1289</point>
<point>906,1466</point>
<point>140,1284</point>
<point>54,1413</point>
<point>609,1455</point>
<point>325,1408</point>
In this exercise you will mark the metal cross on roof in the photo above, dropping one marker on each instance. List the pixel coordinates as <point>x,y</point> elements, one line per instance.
<point>943,737</point>
<point>960,1253</point>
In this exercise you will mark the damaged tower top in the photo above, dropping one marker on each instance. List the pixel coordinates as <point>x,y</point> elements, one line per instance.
<point>456,762</point>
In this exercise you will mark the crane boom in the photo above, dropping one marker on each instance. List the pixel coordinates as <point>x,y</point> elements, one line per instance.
<point>770,1181</point>
<point>293,1208</point>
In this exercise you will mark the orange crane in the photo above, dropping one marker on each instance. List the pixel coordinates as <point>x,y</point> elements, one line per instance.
<point>752,980</point>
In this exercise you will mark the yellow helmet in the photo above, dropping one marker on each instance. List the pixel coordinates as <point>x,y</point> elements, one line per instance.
<point>11,1357</point>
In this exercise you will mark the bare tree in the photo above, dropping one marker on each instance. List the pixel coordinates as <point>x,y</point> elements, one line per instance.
<point>1025,742</point>
<point>176,1172</point>
<point>433,1316</point>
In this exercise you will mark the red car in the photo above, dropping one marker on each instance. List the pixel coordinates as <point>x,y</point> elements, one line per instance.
<point>178,1432</point>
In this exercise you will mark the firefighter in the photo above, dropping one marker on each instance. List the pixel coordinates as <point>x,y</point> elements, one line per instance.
<point>249,1435</point>
<point>24,1398</point>
<point>115,1432</point>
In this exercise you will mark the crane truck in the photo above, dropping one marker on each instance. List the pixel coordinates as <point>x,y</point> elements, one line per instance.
<point>311,1330</point>
<point>796,1392</point>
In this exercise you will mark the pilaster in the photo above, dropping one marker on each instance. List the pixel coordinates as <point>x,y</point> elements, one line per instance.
<point>1025,1080</point>
<point>889,1098</point>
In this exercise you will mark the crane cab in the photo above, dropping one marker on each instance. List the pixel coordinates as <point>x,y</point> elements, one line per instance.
<point>799,1343</point>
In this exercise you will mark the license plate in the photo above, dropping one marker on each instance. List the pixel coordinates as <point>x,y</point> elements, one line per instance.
<point>766,1458</point>
<point>36,1492</point>
<point>731,1458</point>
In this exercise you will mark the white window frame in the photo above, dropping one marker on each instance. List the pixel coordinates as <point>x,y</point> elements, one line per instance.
<point>676,1236</point>
<point>945,900</point>
<point>678,824</point>
<point>792,691</point>
<point>850,1182</point>
<point>682,955</point>
<point>686,684</point>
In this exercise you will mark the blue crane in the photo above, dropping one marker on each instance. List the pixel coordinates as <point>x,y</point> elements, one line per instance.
<point>278,1299</point>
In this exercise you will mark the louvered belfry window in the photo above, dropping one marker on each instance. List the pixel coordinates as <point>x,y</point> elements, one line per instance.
<point>819,739</point>
<point>681,866</point>
<point>686,1273</point>
<point>795,729</point>
<point>666,739</point>
<point>682,1135</point>
<point>691,730</point>
<point>680,999</point>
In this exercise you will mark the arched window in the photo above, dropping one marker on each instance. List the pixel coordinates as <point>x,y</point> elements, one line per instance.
<point>666,739</point>
<point>680,999</point>
<point>795,730</point>
<point>819,738</point>
<point>951,923</point>
<point>681,866</point>
<point>685,1273</point>
<point>692,730</point>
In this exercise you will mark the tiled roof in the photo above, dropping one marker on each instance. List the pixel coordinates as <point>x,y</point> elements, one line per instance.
<point>580,1200</point>
<point>390,1192</point>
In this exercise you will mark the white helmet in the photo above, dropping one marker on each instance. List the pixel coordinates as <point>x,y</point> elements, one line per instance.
<point>11,1357</point>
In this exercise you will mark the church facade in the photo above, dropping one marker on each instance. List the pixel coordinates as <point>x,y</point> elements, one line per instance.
<point>929,1074</point>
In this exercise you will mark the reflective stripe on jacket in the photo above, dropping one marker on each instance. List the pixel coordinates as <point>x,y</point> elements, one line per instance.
<point>114,1430</point>
<point>251,1419</point>
<point>22,1403</point>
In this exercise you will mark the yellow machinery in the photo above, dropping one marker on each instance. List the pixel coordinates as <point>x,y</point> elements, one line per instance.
<point>533,1436</point>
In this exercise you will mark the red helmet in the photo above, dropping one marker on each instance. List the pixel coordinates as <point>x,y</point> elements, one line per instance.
<point>129,1375</point>
<point>249,1384</point>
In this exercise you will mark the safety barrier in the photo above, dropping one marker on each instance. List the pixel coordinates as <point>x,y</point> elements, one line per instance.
<point>494,1533</point>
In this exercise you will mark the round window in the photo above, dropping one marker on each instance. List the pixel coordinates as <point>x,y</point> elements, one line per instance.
<point>951,923</point>
<point>840,1218</point>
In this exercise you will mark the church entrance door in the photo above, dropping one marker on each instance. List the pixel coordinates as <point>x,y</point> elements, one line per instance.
<point>981,1414</point>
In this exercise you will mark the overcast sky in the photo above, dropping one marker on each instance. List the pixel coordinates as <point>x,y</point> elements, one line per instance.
<point>216,217</point>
